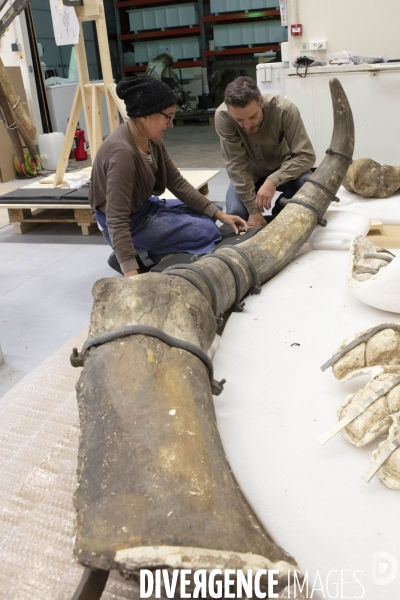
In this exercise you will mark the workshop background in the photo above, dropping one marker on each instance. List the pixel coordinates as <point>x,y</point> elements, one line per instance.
<point>47,272</point>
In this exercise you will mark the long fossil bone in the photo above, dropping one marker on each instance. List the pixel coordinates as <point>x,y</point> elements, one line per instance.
<point>154,487</point>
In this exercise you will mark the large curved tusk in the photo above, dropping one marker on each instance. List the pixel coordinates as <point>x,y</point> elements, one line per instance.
<point>276,245</point>
<point>154,487</point>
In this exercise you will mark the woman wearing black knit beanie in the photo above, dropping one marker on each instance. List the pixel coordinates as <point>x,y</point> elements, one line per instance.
<point>132,168</point>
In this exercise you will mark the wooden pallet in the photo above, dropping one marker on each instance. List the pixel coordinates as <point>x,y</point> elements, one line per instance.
<point>24,219</point>
<point>26,216</point>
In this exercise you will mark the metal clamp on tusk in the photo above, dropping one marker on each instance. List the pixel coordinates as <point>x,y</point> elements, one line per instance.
<point>381,459</point>
<point>195,269</point>
<point>356,412</point>
<point>238,305</point>
<point>323,187</point>
<point>77,358</point>
<point>332,152</point>
<point>186,276</point>
<point>321,220</point>
<point>256,285</point>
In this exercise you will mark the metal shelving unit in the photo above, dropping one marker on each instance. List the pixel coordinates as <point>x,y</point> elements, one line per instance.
<point>243,16</point>
<point>203,31</point>
<point>181,64</point>
<point>237,18</point>
<point>242,50</point>
<point>160,34</point>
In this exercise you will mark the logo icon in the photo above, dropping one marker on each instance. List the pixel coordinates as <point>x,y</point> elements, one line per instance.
<point>384,568</point>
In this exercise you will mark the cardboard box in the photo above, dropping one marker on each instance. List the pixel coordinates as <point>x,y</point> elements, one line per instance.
<point>6,148</point>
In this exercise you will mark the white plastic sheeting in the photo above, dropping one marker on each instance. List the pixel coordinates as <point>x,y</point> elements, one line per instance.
<point>39,432</point>
<point>275,405</point>
<point>339,232</point>
<point>386,210</point>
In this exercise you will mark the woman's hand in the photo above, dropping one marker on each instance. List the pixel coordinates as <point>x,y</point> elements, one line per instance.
<point>131,273</point>
<point>237,223</point>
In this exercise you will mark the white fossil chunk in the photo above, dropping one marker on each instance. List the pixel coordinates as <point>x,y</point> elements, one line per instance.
<point>374,275</point>
<point>375,409</point>
<point>375,350</point>
<point>376,419</point>
<point>389,472</point>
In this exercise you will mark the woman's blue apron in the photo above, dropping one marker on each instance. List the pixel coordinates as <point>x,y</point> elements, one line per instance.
<point>162,227</point>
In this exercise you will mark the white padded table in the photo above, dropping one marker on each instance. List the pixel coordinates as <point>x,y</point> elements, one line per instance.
<point>275,405</point>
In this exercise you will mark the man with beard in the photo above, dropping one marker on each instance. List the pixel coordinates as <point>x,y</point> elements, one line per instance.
<point>265,149</point>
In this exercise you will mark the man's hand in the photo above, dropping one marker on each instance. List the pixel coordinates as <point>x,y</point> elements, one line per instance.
<point>256,220</point>
<point>237,223</point>
<point>265,195</point>
<point>131,273</point>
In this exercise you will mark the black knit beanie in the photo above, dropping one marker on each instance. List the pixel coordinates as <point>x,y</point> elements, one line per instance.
<point>145,96</point>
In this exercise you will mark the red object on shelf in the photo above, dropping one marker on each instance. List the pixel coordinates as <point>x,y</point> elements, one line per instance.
<point>296,29</point>
<point>255,14</point>
<point>180,64</point>
<point>80,151</point>
<point>160,33</point>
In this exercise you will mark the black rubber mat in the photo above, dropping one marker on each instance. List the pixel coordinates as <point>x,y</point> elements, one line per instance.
<point>46,196</point>
<point>228,238</point>
<point>81,194</point>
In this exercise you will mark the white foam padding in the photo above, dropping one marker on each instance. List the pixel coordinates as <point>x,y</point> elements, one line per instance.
<point>381,290</point>
<point>340,231</point>
<point>39,433</point>
<point>275,405</point>
<point>386,210</point>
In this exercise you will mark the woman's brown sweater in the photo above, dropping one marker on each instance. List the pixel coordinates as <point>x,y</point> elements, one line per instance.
<point>121,180</point>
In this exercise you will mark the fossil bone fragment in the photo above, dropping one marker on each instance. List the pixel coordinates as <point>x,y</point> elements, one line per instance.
<point>365,414</point>
<point>377,401</point>
<point>374,275</point>
<point>388,454</point>
<point>154,487</point>
<point>374,410</point>
<point>375,350</point>
<point>372,180</point>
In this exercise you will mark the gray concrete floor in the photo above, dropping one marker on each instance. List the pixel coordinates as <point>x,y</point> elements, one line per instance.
<point>47,274</point>
<point>198,143</point>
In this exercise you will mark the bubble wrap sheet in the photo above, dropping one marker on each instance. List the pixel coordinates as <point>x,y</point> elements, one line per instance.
<point>39,434</point>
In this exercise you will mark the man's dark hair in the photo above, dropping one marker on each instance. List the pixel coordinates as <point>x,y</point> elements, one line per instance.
<point>241,92</point>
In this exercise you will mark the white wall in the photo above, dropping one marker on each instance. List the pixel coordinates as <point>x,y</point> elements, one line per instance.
<point>18,32</point>
<point>361,26</point>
